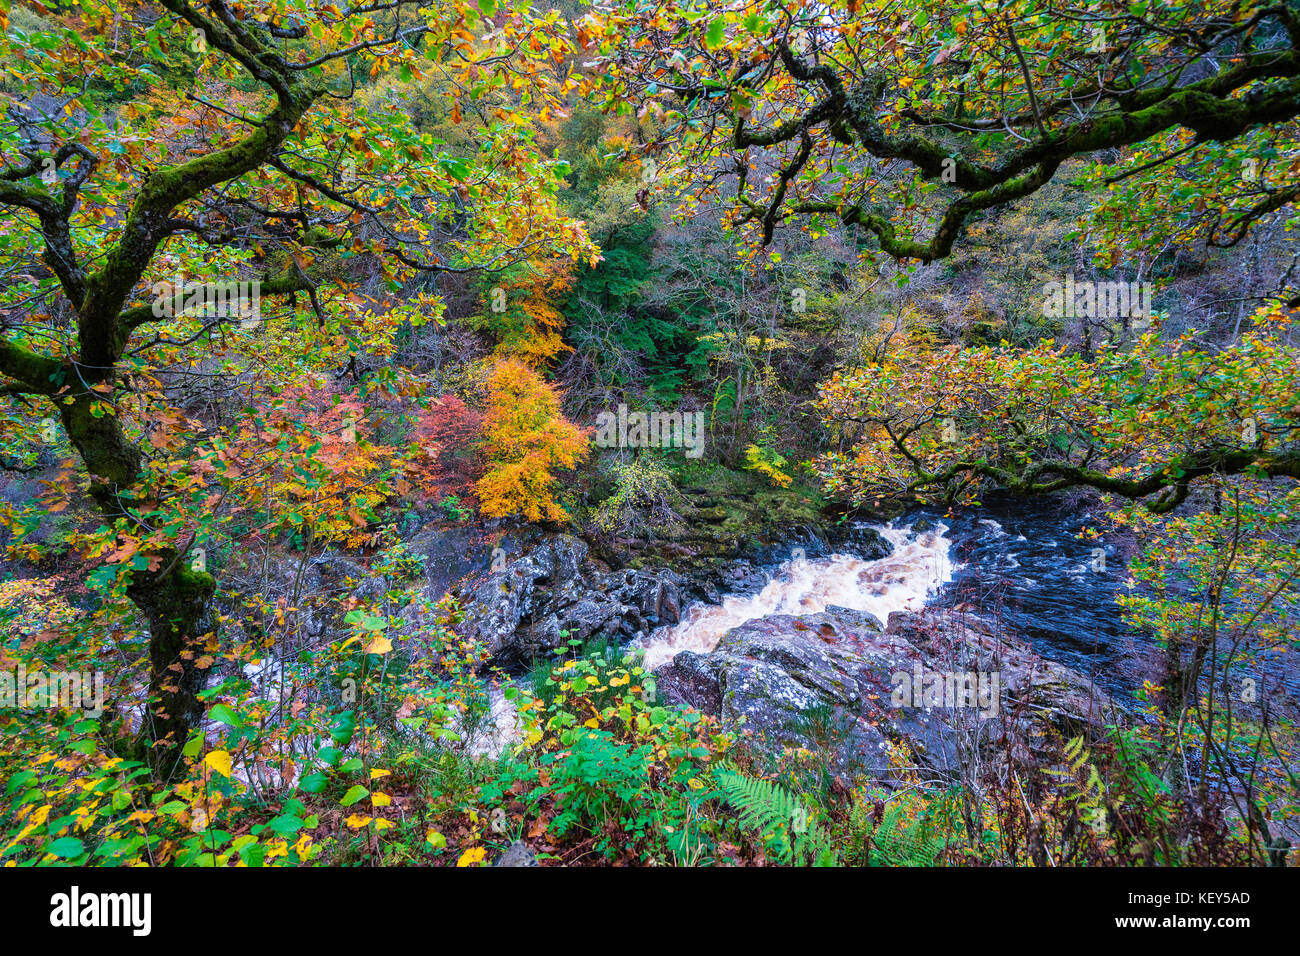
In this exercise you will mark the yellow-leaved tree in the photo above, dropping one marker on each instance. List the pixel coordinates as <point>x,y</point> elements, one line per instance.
<point>526,439</point>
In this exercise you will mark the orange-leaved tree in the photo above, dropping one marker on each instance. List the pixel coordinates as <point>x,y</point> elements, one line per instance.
<point>522,312</point>
<point>443,458</point>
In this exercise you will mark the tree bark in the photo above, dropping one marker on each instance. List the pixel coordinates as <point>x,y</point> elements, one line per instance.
<point>171,595</point>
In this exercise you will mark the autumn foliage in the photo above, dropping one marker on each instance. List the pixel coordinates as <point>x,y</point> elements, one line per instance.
<point>444,455</point>
<point>310,465</point>
<point>527,439</point>
<point>522,311</point>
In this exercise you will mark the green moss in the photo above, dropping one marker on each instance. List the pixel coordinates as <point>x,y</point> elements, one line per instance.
<point>30,369</point>
<point>195,584</point>
<point>727,513</point>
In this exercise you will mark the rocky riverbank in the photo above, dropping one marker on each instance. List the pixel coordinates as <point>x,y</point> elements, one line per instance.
<point>769,675</point>
<point>828,680</point>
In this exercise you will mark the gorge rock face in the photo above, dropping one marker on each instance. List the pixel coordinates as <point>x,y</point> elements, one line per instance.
<point>828,681</point>
<point>1032,686</point>
<point>553,593</point>
<point>449,554</point>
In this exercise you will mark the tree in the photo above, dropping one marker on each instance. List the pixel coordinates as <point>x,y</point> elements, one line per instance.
<point>525,438</point>
<point>521,311</point>
<point>285,181</point>
<point>1141,423</point>
<point>1161,424</point>
<point>443,458</point>
<point>905,121</point>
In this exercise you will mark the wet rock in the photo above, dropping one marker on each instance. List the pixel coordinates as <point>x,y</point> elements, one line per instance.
<point>731,520</point>
<point>450,554</point>
<point>691,680</point>
<point>775,675</point>
<point>547,589</point>
<point>1030,684</point>
<point>827,681</point>
<point>554,592</point>
<point>517,854</point>
<point>334,568</point>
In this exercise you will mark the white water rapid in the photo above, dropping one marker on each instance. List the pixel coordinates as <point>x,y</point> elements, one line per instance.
<point>918,566</point>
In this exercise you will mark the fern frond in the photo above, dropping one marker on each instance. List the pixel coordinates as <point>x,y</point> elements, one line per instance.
<point>898,841</point>
<point>775,814</point>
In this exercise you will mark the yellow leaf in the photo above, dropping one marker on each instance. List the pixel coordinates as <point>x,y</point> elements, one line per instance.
<point>357,821</point>
<point>382,824</point>
<point>379,645</point>
<point>219,761</point>
<point>471,857</point>
<point>435,840</point>
<point>380,799</point>
<point>377,773</point>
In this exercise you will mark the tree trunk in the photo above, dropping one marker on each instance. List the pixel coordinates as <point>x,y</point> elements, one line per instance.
<point>171,595</point>
<point>174,604</point>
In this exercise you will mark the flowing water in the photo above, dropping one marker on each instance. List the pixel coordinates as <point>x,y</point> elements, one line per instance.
<point>1032,564</point>
<point>917,568</point>
<point>1023,562</point>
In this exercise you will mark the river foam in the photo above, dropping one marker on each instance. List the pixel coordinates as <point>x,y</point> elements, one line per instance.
<point>918,566</point>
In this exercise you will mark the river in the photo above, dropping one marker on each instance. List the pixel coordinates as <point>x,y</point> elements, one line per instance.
<point>1024,563</point>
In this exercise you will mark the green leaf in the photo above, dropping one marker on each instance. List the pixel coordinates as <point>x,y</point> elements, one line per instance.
<point>66,847</point>
<point>716,35</point>
<point>344,728</point>
<point>458,169</point>
<point>313,782</point>
<point>285,825</point>
<point>224,715</point>
<point>353,795</point>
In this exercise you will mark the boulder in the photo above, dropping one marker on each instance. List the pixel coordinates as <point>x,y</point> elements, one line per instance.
<point>449,554</point>
<point>827,681</point>
<point>553,592</point>
<point>517,854</point>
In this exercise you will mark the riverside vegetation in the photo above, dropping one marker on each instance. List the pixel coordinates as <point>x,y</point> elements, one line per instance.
<point>328,339</point>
